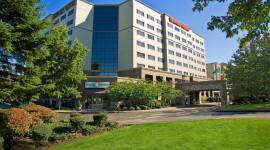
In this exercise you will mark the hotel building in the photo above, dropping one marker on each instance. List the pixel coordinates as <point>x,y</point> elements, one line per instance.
<point>131,39</point>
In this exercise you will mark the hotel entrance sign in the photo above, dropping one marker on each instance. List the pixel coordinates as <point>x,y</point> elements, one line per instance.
<point>97,85</point>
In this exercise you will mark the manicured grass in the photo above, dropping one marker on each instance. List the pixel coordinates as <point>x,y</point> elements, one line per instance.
<point>235,134</point>
<point>264,106</point>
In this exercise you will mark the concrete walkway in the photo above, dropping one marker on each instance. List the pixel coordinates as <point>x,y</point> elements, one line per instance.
<point>173,114</point>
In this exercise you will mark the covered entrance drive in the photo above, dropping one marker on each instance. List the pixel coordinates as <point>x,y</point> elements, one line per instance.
<point>94,99</point>
<point>194,90</point>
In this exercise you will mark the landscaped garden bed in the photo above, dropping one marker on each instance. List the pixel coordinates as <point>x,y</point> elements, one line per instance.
<point>34,127</point>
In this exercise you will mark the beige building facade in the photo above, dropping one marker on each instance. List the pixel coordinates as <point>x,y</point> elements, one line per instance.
<point>132,35</point>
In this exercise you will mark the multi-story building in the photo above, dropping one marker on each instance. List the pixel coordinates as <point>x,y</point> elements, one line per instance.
<point>130,35</point>
<point>216,71</point>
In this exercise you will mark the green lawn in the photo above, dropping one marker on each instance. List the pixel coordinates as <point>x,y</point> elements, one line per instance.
<point>264,106</point>
<point>236,134</point>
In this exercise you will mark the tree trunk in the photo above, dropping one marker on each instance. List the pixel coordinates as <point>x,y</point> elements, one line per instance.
<point>59,103</point>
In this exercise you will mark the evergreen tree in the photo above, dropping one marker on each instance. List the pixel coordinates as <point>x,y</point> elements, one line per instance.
<point>21,42</point>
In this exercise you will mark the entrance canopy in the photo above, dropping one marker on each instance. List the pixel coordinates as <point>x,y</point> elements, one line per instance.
<point>206,86</point>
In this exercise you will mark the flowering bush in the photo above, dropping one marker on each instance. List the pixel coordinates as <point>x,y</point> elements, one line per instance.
<point>18,121</point>
<point>40,113</point>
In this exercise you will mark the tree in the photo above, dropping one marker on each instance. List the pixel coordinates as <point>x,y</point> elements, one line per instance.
<point>63,67</point>
<point>168,92</point>
<point>248,71</point>
<point>21,41</point>
<point>249,16</point>
<point>133,93</point>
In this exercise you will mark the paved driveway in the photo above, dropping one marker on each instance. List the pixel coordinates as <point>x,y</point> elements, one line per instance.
<point>172,114</point>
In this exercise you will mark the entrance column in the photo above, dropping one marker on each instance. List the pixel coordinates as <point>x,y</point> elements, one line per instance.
<point>200,97</point>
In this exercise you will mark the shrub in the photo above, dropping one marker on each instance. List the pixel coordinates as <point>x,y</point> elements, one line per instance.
<point>154,104</point>
<point>111,125</point>
<point>100,119</point>
<point>88,130</point>
<point>212,99</point>
<point>131,108</point>
<point>41,133</point>
<point>62,127</point>
<point>41,113</point>
<point>77,122</point>
<point>144,107</point>
<point>125,109</point>
<point>60,137</point>
<point>17,121</point>
<point>138,108</point>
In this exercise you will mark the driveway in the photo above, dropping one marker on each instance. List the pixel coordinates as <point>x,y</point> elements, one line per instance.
<point>173,114</point>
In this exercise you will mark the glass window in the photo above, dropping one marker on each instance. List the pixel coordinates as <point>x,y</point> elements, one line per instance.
<point>184,48</point>
<point>185,57</point>
<point>141,65</point>
<point>178,54</point>
<point>150,27</point>
<point>171,52</point>
<point>151,37</point>
<point>158,21</point>
<point>140,12</point>
<point>177,29</point>
<point>170,34</point>
<point>159,30</point>
<point>178,63</point>
<point>70,32</point>
<point>150,57</point>
<point>183,32</point>
<point>139,22</point>
<point>184,40</point>
<point>172,70</point>
<point>152,67</point>
<point>63,17</point>
<point>160,50</point>
<point>71,12</point>
<point>150,17</point>
<point>160,59</point>
<point>141,55</point>
<point>105,41</point>
<point>170,25</point>
<point>171,43</point>
<point>171,61</point>
<point>141,44</point>
<point>178,37</point>
<point>141,33</point>
<point>178,46</point>
<point>152,47</point>
<point>70,22</point>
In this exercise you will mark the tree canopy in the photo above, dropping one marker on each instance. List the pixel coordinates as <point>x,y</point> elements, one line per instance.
<point>247,16</point>
<point>33,65</point>
<point>21,42</point>
<point>248,71</point>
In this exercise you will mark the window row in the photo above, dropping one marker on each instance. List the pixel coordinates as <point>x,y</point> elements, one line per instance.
<point>184,33</point>
<point>141,23</point>
<point>150,17</point>
<point>63,17</point>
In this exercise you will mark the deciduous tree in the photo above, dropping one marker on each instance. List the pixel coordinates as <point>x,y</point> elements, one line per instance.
<point>247,16</point>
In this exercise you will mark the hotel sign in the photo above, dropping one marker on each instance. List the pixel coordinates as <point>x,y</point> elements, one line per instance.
<point>176,22</point>
<point>97,85</point>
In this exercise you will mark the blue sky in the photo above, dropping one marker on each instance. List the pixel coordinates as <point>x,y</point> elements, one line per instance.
<point>218,47</point>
